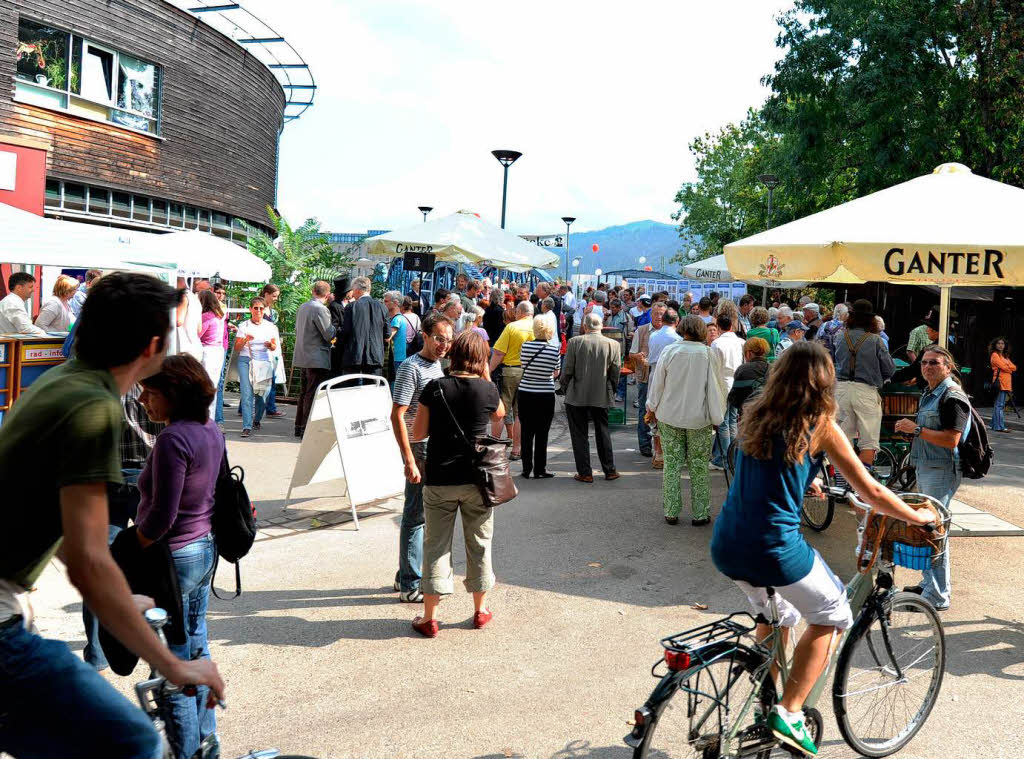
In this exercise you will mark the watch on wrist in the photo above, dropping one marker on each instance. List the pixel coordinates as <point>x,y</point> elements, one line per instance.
<point>917,431</point>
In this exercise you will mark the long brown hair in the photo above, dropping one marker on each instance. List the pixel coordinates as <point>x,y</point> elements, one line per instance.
<point>797,402</point>
<point>1005,352</point>
<point>954,370</point>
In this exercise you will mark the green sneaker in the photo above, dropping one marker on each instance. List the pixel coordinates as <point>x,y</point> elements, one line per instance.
<point>793,733</point>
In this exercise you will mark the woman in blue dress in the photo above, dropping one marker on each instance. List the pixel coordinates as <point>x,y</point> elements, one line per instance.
<point>757,540</point>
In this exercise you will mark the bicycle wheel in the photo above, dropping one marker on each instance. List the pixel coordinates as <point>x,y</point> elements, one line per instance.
<point>885,466</point>
<point>730,464</point>
<point>689,723</point>
<point>818,511</point>
<point>878,711</point>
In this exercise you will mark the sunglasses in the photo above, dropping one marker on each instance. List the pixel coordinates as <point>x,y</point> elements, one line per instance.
<point>932,362</point>
<point>256,308</point>
<point>442,340</point>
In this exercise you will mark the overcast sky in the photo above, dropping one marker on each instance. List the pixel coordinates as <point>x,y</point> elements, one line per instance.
<point>601,99</point>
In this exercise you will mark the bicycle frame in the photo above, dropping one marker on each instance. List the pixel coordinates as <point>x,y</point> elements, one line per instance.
<point>863,590</point>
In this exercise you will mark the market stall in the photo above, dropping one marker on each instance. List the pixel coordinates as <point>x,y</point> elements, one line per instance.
<point>33,355</point>
<point>950,227</point>
<point>7,346</point>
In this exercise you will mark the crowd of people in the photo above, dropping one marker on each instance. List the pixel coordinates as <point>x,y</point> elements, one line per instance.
<point>766,391</point>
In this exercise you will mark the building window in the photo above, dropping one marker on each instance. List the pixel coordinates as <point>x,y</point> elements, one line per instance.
<point>61,71</point>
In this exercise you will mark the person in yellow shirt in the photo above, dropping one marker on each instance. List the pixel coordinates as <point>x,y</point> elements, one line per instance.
<point>506,353</point>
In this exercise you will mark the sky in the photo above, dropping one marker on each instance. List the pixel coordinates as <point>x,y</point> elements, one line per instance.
<point>601,98</point>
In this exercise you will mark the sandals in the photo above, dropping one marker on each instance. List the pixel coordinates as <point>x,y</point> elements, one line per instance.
<point>515,456</point>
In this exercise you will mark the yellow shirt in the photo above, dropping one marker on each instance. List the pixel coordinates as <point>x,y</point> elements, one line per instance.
<point>512,338</point>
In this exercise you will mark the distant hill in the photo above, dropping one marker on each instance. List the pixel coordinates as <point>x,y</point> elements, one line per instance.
<point>621,247</point>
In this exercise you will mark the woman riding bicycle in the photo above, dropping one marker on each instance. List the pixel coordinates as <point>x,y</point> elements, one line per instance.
<point>757,541</point>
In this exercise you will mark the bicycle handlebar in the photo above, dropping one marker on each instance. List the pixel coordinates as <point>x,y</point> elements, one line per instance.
<point>944,512</point>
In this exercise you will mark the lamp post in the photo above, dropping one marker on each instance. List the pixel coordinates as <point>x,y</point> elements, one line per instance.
<point>506,158</point>
<point>771,181</point>
<point>597,273</point>
<point>568,220</point>
<point>425,210</point>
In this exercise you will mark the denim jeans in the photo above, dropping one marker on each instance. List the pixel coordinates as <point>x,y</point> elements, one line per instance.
<point>195,563</point>
<point>252,405</point>
<point>54,704</point>
<point>998,422</point>
<point>941,483</point>
<point>271,403</point>
<point>726,433</point>
<point>410,538</point>
<point>219,416</point>
<point>620,389</point>
<point>643,431</point>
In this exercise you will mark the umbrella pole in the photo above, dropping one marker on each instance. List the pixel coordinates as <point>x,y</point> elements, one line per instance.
<point>945,293</point>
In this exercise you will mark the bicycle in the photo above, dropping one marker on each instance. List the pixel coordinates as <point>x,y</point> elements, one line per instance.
<point>717,691</point>
<point>154,695</point>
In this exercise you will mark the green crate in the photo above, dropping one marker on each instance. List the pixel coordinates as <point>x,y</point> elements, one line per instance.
<point>616,415</point>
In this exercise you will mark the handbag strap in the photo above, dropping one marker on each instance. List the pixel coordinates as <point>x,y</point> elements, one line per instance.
<point>458,427</point>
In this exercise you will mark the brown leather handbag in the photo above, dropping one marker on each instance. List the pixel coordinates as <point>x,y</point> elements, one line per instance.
<point>490,463</point>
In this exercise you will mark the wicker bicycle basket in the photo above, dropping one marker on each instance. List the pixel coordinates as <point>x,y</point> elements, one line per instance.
<point>900,543</point>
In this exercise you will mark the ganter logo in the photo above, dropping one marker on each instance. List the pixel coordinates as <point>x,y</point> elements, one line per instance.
<point>946,262</point>
<point>771,268</point>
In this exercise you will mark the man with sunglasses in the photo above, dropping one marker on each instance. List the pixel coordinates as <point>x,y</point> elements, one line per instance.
<point>413,375</point>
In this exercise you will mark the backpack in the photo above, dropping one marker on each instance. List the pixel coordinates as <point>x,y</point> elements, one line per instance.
<point>975,452</point>
<point>234,520</point>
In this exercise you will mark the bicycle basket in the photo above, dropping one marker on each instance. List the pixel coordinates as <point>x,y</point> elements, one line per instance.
<point>900,543</point>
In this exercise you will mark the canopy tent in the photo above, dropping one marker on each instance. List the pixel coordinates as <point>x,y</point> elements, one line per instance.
<point>628,274</point>
<point>200,254</point>
<point>947,228</point>
<point>29,239</point>
<point>715,269</point>
<point>465,238</point>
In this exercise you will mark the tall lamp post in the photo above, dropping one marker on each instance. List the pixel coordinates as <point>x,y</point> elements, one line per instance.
<point>568,220</point>
<point>506,158</point>
<point>425,210</point>
<point>771,181</point>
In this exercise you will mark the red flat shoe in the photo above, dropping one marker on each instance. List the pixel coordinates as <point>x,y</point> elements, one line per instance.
<point>481,618</point>
<point>426,628</point>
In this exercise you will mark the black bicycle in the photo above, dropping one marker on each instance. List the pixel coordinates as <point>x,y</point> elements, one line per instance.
<point>155,694</point>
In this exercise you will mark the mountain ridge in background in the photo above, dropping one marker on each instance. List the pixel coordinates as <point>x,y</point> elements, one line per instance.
<point>621,246</point>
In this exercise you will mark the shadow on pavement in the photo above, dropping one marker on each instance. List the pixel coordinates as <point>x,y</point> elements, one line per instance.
<point>581,750</point>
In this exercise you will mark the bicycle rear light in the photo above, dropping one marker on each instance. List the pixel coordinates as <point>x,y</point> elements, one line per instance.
<point>677,661</point>
<point>640,716</point>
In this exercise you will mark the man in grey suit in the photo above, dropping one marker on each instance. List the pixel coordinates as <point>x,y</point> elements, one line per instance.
<point>313,335</point>
<point>589,379</point>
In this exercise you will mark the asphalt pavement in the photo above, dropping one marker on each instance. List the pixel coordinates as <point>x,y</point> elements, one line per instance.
<point>320,658</point>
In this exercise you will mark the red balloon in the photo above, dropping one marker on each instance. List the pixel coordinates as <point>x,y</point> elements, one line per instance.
<point>648,268</point>
<point>595,247</point>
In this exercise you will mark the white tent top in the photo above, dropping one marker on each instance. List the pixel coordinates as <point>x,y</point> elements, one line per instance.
<point>715,269</point>
<point>29,239</point>
<point>465,238</point>
<point>200,254</point>
<point>950,227</point>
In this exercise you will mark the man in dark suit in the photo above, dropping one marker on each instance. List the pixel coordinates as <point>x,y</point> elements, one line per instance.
<point>313,335</point>
<point>364,332</point>
<point>342,291</point>
<point>591,373</point>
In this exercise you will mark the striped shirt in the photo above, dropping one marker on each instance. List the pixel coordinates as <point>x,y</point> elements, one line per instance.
<point>543,359</point>
<point>413,375</point>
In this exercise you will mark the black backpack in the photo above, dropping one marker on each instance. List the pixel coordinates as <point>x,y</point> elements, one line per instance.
<point>975,452</point>
<point>234,520</point>
<point>417,339</point>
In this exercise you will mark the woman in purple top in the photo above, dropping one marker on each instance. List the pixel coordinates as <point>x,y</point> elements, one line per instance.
<point>213,335</point>
<point>176,506</point>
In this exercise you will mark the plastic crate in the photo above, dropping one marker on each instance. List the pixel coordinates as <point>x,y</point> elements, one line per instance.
<point>616,415</point>
<point>912,557</point>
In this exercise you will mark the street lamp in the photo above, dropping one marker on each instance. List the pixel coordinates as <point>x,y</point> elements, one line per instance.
<point>568,220</point>
<point>425,210</point>
<point>597,273</point>
<point>642,260</point>
<point>506,158</point>
<point>771,182</point>
<point>692,254</point>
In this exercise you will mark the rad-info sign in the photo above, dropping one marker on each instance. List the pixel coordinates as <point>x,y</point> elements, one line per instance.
<point>349,440</point>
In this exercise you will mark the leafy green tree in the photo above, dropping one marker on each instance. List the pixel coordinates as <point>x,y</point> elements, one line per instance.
<point>298,257</point>
<point>727,201</point>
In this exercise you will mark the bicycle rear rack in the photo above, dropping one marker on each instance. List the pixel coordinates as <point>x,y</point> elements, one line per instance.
<point>712,632</point>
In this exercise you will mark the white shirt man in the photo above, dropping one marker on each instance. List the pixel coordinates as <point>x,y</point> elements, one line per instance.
<point>190,319</point>
<point>729,347</point>
<point>14,316</point>
<point>662,338</point>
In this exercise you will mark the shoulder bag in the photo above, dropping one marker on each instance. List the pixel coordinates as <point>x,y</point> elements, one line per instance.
<point>490,462</point>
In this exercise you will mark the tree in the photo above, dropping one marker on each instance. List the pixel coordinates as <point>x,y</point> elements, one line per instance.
<point>297,258</point>
<point>727,202</point>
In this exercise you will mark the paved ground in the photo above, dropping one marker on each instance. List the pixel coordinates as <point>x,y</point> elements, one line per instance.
<point>320,658</point>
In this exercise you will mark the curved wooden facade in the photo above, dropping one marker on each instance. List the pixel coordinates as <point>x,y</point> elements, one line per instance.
<point>220,109</point>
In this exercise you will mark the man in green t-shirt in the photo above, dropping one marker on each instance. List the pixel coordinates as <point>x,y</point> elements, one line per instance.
<point>59,451</point>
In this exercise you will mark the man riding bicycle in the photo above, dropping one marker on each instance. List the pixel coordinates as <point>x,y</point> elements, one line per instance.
<point>58,455</point>
<point>757,541</point>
